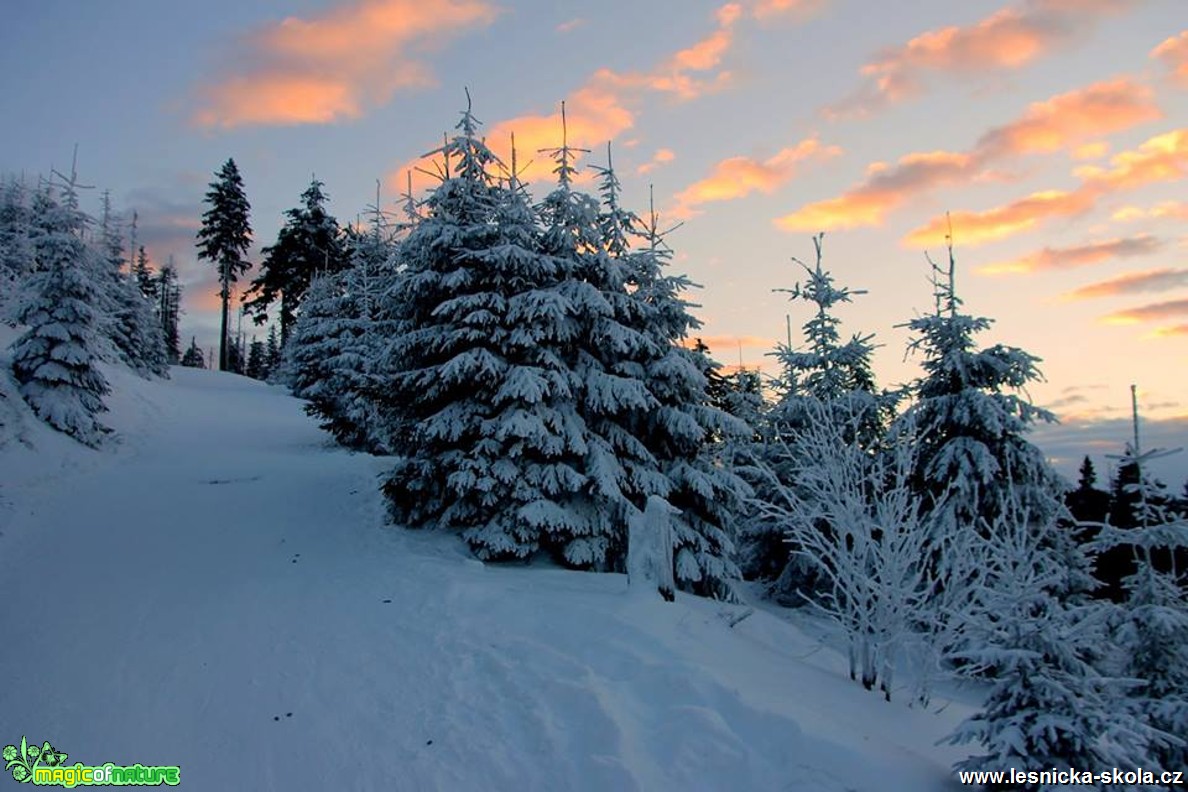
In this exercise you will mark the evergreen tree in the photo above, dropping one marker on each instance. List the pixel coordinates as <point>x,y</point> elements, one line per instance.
<point>310,242</point>
<point>145,279</point>
<point>272,351</point>
<point>193,357</point>
<point>487,437</point>
<point>168,292</point>
<point>17,232</point>
<point>1152,630</point>
<point>255,360</point>
<point>131,325</point>
<point>972,420</point>
<point>224,240</point>
<point>1047,707</point>
<point>55,360</point>
<point>705,493</point>
<point>824,377</point>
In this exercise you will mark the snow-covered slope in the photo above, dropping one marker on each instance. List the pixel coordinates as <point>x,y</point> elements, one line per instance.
<point>218,591</point>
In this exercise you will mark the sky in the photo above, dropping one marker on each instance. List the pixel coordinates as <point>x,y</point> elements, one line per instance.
<point>1051,136</point>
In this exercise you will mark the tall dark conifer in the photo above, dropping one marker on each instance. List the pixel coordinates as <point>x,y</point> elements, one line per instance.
<point>224,239</point>
<point>310,242</point>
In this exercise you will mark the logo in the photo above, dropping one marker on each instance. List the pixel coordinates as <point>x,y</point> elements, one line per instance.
<point>46,766</point>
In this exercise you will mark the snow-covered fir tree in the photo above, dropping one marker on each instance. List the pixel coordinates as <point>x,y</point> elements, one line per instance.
<point>56,359</point>
<point>1048,706</point>
<point>489,439</point>
<point>973,416</point>
<point>129,321</point>
<point>706,493</point>
<point>970,417</point>
<point>825,379</point>
<point>1151,625</point>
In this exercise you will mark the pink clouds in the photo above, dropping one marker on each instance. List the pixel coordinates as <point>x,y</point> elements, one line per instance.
<point>335,65</point>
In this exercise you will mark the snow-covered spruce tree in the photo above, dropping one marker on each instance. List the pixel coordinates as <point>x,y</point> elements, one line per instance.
<point>361,329</point>
<point>55,360</point>
<point>825,375</point>
<point>1152,625</point>
<point>481,399</point>
<point>1047,707</point>
<point>130,323</point>
<point>593,281</point>
<point>973,418</point>
<point>309,242</point>
<point>17,232</point>
<point>678,434</point>
<point>327,362</point>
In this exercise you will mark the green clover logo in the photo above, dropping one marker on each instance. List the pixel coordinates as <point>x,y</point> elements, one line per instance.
<point>24,760</point>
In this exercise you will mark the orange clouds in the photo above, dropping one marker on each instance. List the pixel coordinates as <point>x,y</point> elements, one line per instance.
<point>1007,39</point>
<point>336,65</point>
<point>974,228</point>
<point>1161,158</point>
<point>1133,283</point>
<point>1077,256</point>
<point>1072,117</point>
<point>1173,209</point>
<point>1062,121</point>
<point>661,157</point>
<point>1146,313</point>
<point>1173,52</point>
<point>603,108</point>
<point>738,177</point>
<point>885,188</point>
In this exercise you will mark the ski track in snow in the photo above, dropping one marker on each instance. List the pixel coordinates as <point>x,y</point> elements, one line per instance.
<point>210,592</point>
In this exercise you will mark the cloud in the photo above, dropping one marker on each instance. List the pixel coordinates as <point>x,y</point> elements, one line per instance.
<point>1173,52</point>
<point>1062,121</point>
<point>1161,158</point>
<point>1008,39</point>
<point>1091,151</point>
<point>1174,330</point>
<point>1069,118</point>
<point>1174,209</point>
<point>571,25</point>
<point>661,157</point>
<point>885,188</point>
<point>1097,433</point>
<point>1077,256</point>
<point>738,177</point>
<point>766,9</point>
<point>1133,283</point>
<point>975,228</point>
<point>604,107</point>
<point>1170,309</point>
<point>335,65</point>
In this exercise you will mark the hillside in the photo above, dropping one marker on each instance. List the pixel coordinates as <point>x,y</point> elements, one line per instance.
<point>218,591</point>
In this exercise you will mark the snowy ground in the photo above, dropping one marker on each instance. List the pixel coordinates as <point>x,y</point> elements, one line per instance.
<point>219,592</point>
